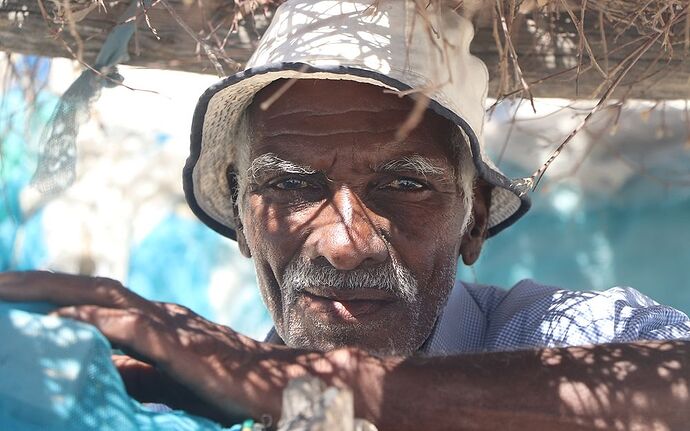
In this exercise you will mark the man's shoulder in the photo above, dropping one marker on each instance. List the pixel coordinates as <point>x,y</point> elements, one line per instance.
<point>531,314</point>
<point>491,298</point>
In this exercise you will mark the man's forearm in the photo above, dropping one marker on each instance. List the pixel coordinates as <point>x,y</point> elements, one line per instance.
<point>644,385</point>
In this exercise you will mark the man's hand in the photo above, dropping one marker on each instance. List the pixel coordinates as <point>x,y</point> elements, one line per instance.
<point>182,359</point>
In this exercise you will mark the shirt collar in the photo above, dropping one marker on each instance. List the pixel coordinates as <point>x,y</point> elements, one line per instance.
<point>460,328</point>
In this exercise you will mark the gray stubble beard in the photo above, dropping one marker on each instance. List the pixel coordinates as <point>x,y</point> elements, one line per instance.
<point>392,276</point>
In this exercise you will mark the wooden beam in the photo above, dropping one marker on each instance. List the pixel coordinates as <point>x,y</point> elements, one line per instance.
<point>24,29</point>
<point>548,59</point>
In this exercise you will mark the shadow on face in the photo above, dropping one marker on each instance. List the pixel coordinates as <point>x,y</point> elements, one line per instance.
<point>355,233</point>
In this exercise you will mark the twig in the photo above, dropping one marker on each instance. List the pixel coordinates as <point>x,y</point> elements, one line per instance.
<point>283,88</point>
<point>139,14</point>
<point>580,25</point>
<point>513,54</point>
<point>148,21</point>
<point>604,43</point>
<point>415,117</point>
<point>630,21</point>
<point>105,76</point>
<point>503,63</point>
<point>72,26</point>
<point>536,177</point>
<point>207,49</point>
<point>644,77</point>
<point>687,124</point>
<point>686,41</point>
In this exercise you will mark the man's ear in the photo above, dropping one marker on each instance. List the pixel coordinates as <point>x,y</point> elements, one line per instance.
<point>478,229</point>
<point>242,243</point>
<point>231,174</point>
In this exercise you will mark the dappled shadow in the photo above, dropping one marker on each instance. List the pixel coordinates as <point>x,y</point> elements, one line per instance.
<point>350,32</point>
<point>613,386</point>
<point>622,386</point>
<point>608,386</point>
<point>54,376</point>
<point>57,374</point>
<point>532,315</point>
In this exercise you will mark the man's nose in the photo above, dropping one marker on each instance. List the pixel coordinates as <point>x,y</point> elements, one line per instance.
<point>345,234</point>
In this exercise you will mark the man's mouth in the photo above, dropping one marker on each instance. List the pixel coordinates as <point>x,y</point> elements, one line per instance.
<point>346,305</point>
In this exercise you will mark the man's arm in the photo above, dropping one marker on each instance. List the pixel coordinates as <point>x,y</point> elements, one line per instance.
<point>644,385</point>
<point>616,386</point>
<point>619,386</point>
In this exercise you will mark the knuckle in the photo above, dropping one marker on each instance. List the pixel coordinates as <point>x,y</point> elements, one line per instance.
<point>112,290</point>
<point>175,309</point>
<point>138,319</point>
<point>107,283</point>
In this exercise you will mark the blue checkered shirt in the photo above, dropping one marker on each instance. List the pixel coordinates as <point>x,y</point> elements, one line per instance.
<point>480,318</point>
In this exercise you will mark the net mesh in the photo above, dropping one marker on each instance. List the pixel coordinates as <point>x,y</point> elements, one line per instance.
<point>57,374</point>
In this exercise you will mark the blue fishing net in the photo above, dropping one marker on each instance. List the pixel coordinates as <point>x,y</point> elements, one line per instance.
<point>56,374</point>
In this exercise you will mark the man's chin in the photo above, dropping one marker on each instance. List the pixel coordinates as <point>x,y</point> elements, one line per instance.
<point>383,333</point>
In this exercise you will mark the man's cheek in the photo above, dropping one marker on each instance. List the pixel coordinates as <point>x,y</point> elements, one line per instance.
<point>279,224</point>
<point>265,234</point>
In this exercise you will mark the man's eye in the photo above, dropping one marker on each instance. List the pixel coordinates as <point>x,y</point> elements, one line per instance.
<point>290,184</point>
<point>405,185</point>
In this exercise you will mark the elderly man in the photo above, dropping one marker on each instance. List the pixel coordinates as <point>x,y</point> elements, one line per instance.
<point>347,163</point>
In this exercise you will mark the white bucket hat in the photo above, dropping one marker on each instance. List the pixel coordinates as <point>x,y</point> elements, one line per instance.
<point>389,43</point>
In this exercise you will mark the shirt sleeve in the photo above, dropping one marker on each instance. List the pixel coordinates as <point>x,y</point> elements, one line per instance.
<point>641,318</point>
<point>533,315</point>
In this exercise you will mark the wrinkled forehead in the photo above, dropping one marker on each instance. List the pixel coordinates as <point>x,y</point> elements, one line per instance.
<point>312,107</point>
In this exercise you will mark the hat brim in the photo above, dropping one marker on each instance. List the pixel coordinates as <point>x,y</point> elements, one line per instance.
<point>509,197</point>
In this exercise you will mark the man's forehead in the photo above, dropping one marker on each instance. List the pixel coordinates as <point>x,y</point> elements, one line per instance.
<point>286,97</point>
<point>328,116</point>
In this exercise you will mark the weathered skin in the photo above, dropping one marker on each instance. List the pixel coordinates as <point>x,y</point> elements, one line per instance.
<point>351,216</point>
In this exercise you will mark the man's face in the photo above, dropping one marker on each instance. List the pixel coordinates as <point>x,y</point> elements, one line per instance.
<point>355,235</point>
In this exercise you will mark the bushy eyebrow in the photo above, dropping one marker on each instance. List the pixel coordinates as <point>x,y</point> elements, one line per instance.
<point>269,164</point>
<point>417,164</point>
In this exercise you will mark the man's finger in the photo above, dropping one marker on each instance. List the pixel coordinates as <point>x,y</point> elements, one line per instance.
<point>173,377</point>
<point>67,289</point>
<point>142,380</point>
<point>125,361</point>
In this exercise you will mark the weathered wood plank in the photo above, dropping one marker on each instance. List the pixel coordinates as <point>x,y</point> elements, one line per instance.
<point>23,29</point>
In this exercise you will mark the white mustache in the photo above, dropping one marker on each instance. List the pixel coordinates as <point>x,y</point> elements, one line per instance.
<point>301,274</point>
